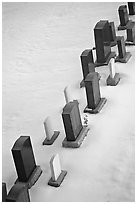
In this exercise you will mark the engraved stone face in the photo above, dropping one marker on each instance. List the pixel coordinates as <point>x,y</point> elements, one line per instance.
<point>48,128</point>
<point>55,167</point>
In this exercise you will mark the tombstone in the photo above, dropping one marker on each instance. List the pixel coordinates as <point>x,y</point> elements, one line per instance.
<point>94,101</point>
<point>131,8</point>
<point>24,160</point>
<point>4,192</point>
<point>123,56</point>
<point>113,38</point>
<point>87,63</point>
<point>102,43</point>
<point>75,131</point>
<point>57,175</point>
<point>67,94</point>
<point>18,193</point>
<point>113,77</point>
<point>51,135</point>
<point>130,34</point>
<point>124,18</point>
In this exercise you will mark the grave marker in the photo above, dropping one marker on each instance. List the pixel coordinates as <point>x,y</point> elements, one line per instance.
<point>51,135</point>
<point>124,18</point>
<point>131,8</point>
<point>67,94</point>
<point>130,34</point>
<point>94,101</point>
<point>4,192</point>
<point>123,56</point>
<point>113,39</point>
<point>57,175</point>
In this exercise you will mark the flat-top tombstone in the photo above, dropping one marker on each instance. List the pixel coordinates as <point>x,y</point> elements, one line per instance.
<point>51,135</point>
<point>24,160</point>
<point>131,8</point>
<point>18,193</point>
<point>113,77</point>
<point>57,175</point>
<point>124,18</point>
<point>102,43</point>
<point>123,56</point>
<point>113,39</point>
<point>4,192</point>
<point>74,130</point>
<point>94,101</point>
<point>130,34</point>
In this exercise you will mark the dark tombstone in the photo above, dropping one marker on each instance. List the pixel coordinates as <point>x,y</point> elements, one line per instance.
<point>130,34</point>
<point>94,101</point>
<point>123,56</point>
<point>18,193</point>
<point>24,160</point>
<point>102,43</point>
<point>87,63</point>
<point>113,38</point>
<point>4,192</point>
<point>131,8</point>
<point>124,18</point>
<point>74,130</point>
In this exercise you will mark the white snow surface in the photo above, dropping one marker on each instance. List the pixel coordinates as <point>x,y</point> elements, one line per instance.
<point>42,43</point>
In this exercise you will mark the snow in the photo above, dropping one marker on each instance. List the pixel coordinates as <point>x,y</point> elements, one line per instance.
<point>42,43</point>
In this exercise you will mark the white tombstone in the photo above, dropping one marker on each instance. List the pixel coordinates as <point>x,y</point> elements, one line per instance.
<point>112,67</point>
<point>55,167</point>
<point>48,128</point>
<point>68,95</point>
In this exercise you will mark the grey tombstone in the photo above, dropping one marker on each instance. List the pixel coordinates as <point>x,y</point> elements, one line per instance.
<point>51,135</point>
<point>18,193</point>
<point>130,34</point>
<point>4,192</point>
<point>131,8</point>
<point>24,160</point>
<point>94,101</point>
<point>123,56</point>
<point>75,131</point>
<point>113,38</point>
<point>113,77</point>
<point>102,43</point>
<point>57,175</point>
<point>124,18</point>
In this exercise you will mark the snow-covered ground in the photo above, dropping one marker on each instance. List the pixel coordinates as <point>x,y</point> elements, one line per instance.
<point>42,43</point>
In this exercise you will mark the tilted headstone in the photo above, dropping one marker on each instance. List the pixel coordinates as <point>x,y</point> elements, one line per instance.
<point>130,34</point>
<point>51,135</point>
<point>131,8</point>
<point>113,77</point>
<point>94,100</point>
<point>67,94</point>
<point>113,39</point>
<point>123,56</point>
<point>124,18</point>
<point>74,130</point>
<point>102,43</point>
<point>4,192</point>
<point>18,193</point>
<point>57,175</point>
<point>24,160</point>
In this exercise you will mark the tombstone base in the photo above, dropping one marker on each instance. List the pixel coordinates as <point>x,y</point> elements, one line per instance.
<point>120,27</point>
<point>33,178</point>
<point>113,81</point>
<point>82,83</point>
<point>98,108</point>
<point>53,138</point>
<point>130,42</point>
<point>78,141</point>
<point>124,59</point>
<point>111,55</point>
<point>58,182</point>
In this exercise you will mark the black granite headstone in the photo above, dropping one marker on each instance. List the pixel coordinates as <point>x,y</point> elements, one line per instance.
<point>124,18</point>
<point>131,8</point>
<point>94,100</point>
<point>102,43</point>
<point>131,34</point>
<point>72,120</point>
<point>18,193</point>
<point>4,192</point>
<point>113,39</point>
<point>123,56</point>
